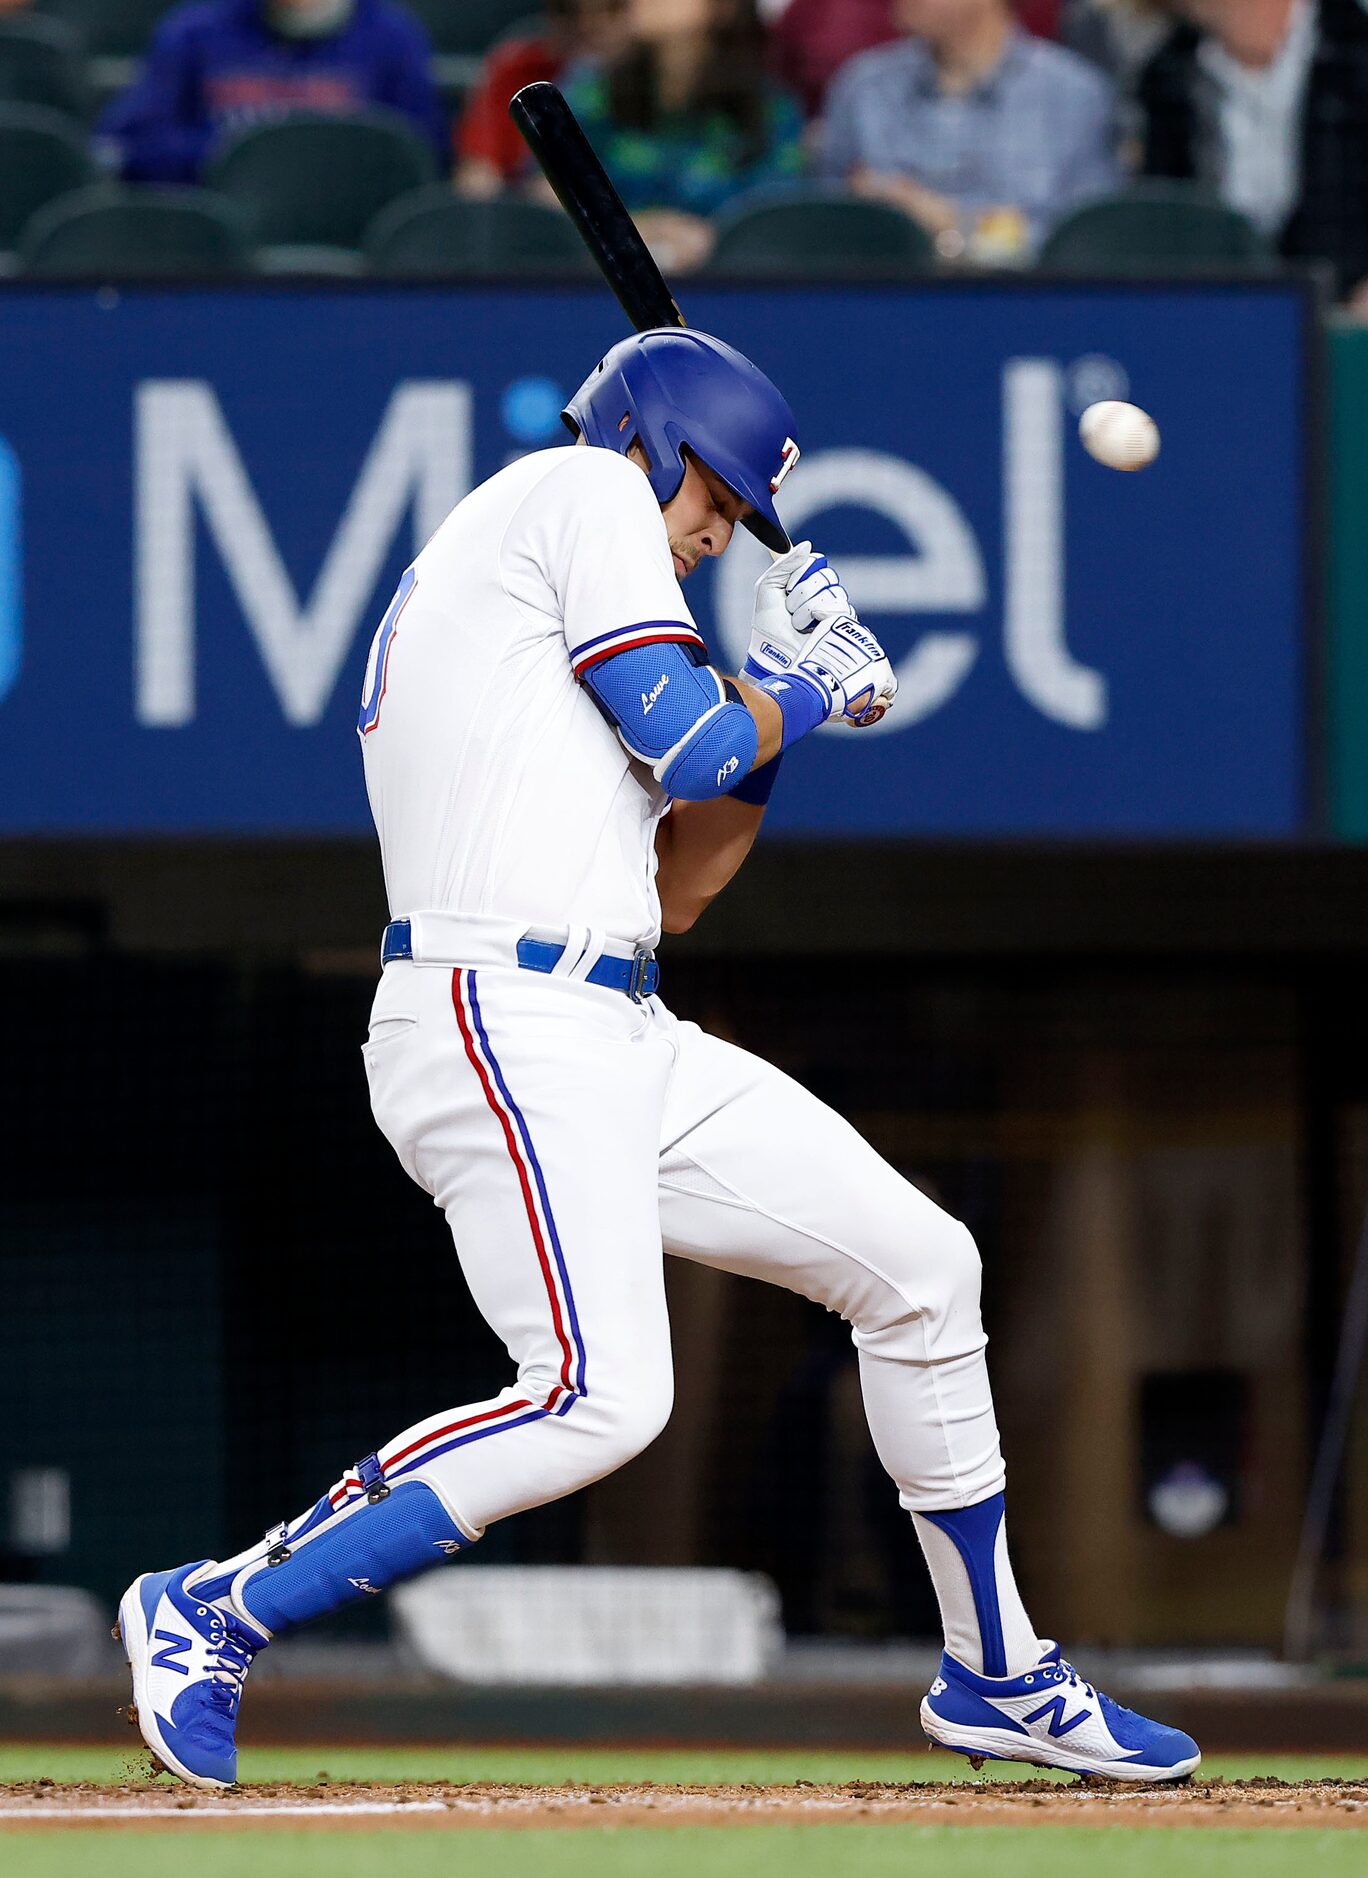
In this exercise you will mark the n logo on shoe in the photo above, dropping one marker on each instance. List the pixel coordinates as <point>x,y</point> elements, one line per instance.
<point>1054,1708</point>
<point>165,1659</point>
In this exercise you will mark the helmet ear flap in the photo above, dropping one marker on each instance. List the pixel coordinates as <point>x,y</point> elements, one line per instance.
<point>633,441</point>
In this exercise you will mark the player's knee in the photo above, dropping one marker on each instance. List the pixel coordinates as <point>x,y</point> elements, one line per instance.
<point>949,1271</point>
<point>963,1263</point>
<point>631,1417</point>
<point>928,1295</point>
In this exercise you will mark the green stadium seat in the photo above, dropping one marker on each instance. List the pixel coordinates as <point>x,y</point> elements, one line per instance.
<point>814,234</point>
<point>42,155</point>
<point>41,63</point>
<point>435,233</point>
<point>111,233</point>
<point>316,181</point>
<point>309,261</point>
<point>470,27</point>
<point>1154,228</point>
<point>118,29</point>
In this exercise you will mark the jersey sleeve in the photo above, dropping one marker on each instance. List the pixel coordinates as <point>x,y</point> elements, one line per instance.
<point>603,546</point>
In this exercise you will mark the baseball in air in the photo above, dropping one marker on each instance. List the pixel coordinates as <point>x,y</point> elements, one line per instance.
<point>1120,435</point>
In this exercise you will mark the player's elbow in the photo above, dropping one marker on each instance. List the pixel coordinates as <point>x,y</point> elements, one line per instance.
<point>713,757</point>
<point>678,912</point>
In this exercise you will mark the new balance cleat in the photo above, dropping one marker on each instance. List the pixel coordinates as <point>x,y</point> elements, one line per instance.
<point>189,1660</point>
<point>1051,1717</point>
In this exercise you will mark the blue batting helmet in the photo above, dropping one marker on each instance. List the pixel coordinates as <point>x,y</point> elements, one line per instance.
<point>671,389</point>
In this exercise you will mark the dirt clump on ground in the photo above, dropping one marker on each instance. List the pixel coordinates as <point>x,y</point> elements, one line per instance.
<point>142,1800</point>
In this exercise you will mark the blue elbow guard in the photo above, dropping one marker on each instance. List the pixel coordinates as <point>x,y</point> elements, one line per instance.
<point>672,713</point>
<point>713,758</point>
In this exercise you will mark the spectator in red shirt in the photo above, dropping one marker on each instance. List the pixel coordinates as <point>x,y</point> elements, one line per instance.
<point>489,152</point>
<point>812,37</point>
<point>1040,16</point>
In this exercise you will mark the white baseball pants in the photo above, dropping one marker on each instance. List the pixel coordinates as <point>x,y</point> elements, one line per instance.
<point>571,1137</point>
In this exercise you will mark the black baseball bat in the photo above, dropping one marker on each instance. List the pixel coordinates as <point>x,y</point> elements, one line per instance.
<point>567,159</point>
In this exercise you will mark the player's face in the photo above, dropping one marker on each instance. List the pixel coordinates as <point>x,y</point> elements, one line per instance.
<point>701,517</point>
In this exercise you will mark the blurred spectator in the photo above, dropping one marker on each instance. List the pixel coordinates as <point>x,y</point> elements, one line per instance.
<point>215,68</point>
<point>686,119</point>
<point>1077,24</point>
<point>1122,34</point>
<point>1267,101</point>
<point>1041,17</point>
<point>14,6</point>
<point>489,151</point>
<point>811,38</point>
<point>1118,35</point>
<point>983,133</point>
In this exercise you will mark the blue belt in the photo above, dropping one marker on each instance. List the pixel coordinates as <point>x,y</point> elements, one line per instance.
<point>637,976</point>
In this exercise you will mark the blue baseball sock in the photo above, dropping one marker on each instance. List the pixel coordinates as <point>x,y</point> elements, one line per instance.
<point>986,1626</point>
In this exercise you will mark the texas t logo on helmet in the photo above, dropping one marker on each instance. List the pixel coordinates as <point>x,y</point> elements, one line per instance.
<point>786,462</point>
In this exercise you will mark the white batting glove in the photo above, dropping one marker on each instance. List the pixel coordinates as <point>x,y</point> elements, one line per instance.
<point>799,606</point>
<point>848,660</point>
<point>790,597</point>
<point>814,593</point>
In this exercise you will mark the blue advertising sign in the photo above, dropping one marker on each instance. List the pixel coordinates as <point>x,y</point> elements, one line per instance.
<point>207,499</point>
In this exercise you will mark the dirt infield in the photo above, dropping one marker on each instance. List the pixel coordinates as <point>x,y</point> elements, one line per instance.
<point>36,1805</point>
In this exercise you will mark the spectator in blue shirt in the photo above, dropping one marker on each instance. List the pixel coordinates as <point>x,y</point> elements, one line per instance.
<point>217,66</point>
<point>981,132</point>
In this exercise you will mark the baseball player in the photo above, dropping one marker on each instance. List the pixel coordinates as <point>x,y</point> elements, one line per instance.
<point>557,773</point>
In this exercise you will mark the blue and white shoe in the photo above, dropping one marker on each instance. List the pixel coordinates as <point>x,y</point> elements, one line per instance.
<point>1051,1717</point>
<point>189,1660</point>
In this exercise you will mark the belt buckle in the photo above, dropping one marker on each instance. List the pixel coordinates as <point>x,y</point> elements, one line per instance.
<point>637,988</point>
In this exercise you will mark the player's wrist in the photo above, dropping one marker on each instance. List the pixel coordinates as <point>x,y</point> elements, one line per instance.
<point>803,699</point>
<point>772,653</point>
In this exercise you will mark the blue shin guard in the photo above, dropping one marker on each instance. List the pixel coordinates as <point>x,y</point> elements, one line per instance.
<point>331,1558</point>
<point>363,1553</point>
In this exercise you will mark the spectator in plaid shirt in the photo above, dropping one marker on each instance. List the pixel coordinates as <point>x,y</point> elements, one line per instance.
<point>983,133</point>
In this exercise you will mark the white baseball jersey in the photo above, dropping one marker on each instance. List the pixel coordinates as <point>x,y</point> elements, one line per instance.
<point>496,785</point>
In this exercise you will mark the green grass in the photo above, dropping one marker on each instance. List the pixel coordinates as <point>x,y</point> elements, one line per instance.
<point>758,1851</point>
<point>542,1766</point>
<point>699,1852</point>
